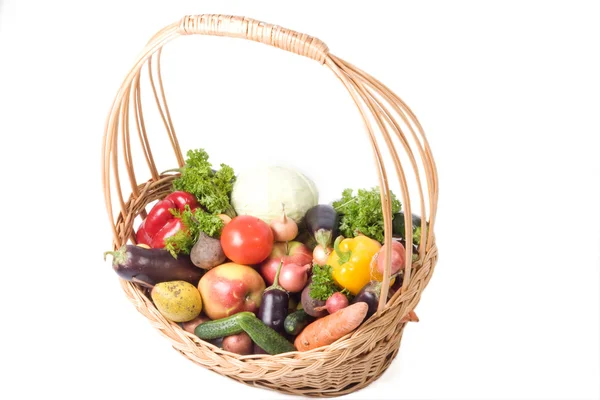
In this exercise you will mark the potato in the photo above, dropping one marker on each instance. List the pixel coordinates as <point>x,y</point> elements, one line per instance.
<point>239,344</point>
<point>207,253</point>
<point>189,326</point>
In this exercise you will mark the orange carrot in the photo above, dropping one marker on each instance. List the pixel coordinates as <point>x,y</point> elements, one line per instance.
<point>328,329</point>
<point>410,317</point>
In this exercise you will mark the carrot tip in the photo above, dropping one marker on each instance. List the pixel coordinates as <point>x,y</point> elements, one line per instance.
<point>410,317</point>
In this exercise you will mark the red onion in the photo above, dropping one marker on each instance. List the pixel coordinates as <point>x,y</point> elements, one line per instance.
<point>293,277</point>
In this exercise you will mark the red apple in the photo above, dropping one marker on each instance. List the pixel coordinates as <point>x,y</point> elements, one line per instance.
<point>231,288</point>
<point>297,253</point>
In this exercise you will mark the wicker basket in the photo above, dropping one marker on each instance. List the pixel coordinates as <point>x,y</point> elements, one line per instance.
<point>355,360</point>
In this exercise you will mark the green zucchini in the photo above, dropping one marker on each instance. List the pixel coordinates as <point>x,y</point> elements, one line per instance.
<point>266,338</point>
<point>296,321</point>
<point>221,327</point>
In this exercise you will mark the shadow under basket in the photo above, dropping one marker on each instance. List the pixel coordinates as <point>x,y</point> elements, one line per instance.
<point>357,359</point>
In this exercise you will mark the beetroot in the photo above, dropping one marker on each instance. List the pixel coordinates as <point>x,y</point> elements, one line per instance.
<point>309,304</point>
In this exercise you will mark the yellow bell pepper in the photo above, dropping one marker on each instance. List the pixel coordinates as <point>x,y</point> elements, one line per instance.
<point>351,262</point>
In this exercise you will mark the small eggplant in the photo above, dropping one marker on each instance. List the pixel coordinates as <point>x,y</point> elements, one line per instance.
<point>397,285</point>
<point>152,266</point>
<point>274,304</point>
<point>322,222</point>
<point>369,294</point>
<point>398,227</point>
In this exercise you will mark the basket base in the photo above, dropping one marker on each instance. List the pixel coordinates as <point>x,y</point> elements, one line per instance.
<point>320,384</point>
<point>344,367</point>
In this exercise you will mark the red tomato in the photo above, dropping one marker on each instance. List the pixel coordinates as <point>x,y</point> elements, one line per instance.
<point>247,240</point>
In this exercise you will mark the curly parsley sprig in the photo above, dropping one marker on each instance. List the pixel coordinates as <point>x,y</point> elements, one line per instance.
<point>322,285</point>
<point>211,188</point>
<point>362,213</point>
<point>195,221</point>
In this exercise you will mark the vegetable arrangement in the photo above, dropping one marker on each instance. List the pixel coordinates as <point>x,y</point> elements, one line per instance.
<point>252,263</point>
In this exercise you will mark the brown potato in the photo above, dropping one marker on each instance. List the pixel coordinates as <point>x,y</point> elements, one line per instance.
<point>240,344</point>
<point>189,326</point>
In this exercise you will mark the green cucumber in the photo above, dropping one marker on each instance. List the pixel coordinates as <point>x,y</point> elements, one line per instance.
<point>296,321</point>
<point>221,327</point>
<point>266,338</point>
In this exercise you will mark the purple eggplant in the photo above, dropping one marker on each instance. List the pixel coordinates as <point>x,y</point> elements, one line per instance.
<point>322,222</point>
<point>274,304</point>
<point>152,266</point>
<point>369,294</point>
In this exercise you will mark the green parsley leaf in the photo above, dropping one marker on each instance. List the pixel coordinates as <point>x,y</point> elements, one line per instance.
<point>195,221</point>
<point>181,242</point>
<point>211,188</point>
<point>362,213</point>
<point>323,285</point>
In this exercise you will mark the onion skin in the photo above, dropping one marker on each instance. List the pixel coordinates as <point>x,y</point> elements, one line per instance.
<point>284,228</point>
<point>320,255</point>
<point>225,218</point>
<point>293,277</point>
<point>398,259</point>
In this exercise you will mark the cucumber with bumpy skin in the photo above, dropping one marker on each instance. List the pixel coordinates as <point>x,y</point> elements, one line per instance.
<point>222,327</point>
<point>266,338</point>
<point>296,321</point>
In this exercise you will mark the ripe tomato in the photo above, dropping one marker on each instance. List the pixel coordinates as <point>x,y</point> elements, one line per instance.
<point>247,240</point>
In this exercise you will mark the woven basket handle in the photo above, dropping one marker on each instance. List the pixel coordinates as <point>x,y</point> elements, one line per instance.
<point>390,126</point>
<point>258,31</point>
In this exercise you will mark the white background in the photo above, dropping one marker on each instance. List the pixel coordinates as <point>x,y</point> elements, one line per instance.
<point>507,91</point>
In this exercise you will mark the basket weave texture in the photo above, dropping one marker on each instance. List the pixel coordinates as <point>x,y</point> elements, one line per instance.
<point>355,360</point>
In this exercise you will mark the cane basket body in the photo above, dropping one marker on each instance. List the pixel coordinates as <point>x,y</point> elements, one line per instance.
<point>355,360</point>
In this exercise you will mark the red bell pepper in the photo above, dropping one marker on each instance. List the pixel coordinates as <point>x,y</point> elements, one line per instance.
<point>171,228</point>
<point>161,223</point>
<point>141,236</point>
<point>182,199</point>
